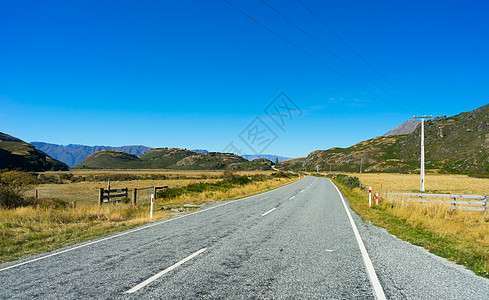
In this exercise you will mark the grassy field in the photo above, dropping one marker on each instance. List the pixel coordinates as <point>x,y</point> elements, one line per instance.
<point>460,236</point>
<point>87,191</point>
<point>434,183</point>
<point>31,230</point>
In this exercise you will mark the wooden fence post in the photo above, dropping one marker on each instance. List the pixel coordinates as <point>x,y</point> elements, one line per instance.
<point>154,191</point>
<point>100,196</point>
<point>134,196</point>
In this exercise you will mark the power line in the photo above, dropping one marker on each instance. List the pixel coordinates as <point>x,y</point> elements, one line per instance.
<point>356,52</point>
<point>331,51</point>
<point>306,53</point>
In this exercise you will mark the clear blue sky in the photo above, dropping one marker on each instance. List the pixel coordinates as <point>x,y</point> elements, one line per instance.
<point>195,74</point>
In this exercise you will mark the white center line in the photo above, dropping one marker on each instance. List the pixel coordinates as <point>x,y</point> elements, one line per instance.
<point>291,197</point>
<point>264,214</point>
<point>378,290</point>
<point>154,277</point>
<point>158,223</point>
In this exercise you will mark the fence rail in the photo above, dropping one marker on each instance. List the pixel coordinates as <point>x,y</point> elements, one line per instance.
<point>105,196</point>
<point>143,195</point>
<point>139,196</point>
<point>478,202</point>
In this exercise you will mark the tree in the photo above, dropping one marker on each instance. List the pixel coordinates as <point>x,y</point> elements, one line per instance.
<point>276,160</point>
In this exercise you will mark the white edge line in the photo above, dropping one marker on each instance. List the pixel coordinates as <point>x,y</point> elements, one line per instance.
<point>154,277</point>
<point>135,230</point>
<point>378,291</point>
<point>264,214</point>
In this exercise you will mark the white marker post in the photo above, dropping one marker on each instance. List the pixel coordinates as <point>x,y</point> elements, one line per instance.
<point>152,201</point>
<point>370,196</point>
<point>376,198</point>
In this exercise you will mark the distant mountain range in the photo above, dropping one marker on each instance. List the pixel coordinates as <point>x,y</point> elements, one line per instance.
<point>270,157</point>
<point>15,154</point>
<point>458,144</point>
<point>74,154</point>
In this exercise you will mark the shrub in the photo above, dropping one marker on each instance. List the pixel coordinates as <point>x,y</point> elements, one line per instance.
<point>12,186</point>
<point>10,198</point>
<point>281,174</point>
<point>17,181</point>
<point>232,180</point>
<point>351,182</point>
<point>229,174</point>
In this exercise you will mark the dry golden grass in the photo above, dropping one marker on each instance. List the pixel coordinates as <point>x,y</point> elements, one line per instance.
<point>465,233</point>
<point>234,193</point>
<point>442,219</point>
<point>446,184</point>
<point>88,191</point>
<point>31,230</point>
<point>466,225</point>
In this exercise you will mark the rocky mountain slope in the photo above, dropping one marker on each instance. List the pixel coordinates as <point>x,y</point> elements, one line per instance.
<point>458,144</point>
<point>15,154</point>
<point>405,128</point>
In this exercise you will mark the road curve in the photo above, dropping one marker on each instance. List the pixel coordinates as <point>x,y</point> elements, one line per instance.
<point>297,241</point>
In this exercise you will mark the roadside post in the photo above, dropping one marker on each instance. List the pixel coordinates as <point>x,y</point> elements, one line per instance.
<point>376,198</point>
<point>369,196</point>
<point>152,201</point>
<point>134,196</point>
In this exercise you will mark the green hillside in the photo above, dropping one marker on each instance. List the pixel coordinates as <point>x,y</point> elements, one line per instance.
<point>458,144</point>
<point>171,158</point>
<point>110,159</point>
<point>165,158</point>
<point>16,154</point>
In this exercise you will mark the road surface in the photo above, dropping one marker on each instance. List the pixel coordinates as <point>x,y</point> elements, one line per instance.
<point>296,242</point>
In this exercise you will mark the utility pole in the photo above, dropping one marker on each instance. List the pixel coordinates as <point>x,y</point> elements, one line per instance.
<point>422,148</point>
<point>360,179</point>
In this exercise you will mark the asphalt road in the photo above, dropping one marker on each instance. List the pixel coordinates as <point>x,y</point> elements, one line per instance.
<point>296,242</point>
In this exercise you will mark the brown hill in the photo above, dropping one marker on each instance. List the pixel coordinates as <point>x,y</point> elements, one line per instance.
<point>15,154</point>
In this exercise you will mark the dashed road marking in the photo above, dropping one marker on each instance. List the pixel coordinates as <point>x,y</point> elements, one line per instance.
<point>264,214</point>
<point>154,277</point>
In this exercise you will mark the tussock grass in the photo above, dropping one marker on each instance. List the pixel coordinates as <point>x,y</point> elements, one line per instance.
<point>31,230</point>
<point>233,193</point>
<point>434,183</point>
<point>460,236</point>
<point>87,191</point>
